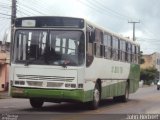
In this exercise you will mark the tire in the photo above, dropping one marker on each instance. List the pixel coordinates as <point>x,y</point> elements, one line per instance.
<point>157,88</point>
<point>96,97</point>
<point>36,103</point>
<point>125,97</point>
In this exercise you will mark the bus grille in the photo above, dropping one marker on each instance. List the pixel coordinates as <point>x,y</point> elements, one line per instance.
<point>35,83</point>
<point>48,78</point>
<point>53,84</point>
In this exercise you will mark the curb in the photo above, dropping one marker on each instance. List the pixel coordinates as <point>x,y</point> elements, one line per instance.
<point>4,95</point>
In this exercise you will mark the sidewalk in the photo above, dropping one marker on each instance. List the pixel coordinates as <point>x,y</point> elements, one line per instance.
<point>4,95</point>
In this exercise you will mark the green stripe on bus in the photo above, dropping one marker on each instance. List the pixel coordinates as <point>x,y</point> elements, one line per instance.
<point>75,95</point>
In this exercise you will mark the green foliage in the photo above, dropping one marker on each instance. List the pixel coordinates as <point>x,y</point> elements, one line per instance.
<point>148,75</point>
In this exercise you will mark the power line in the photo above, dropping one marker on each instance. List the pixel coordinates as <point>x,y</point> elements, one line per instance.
<point>41,5</point>
<point>26,11</point>
<point>5,14</point>
<point>33,9</point>
<point>102,8</point>
<point>96,9</point>
<point>23,13</point>
<point>110,10</point>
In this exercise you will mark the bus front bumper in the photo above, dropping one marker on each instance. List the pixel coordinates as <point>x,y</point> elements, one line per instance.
<point>49,94</point>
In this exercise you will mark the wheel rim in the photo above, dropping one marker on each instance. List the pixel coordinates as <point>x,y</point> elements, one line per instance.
<point>127,93</point>
<point>96,96</point>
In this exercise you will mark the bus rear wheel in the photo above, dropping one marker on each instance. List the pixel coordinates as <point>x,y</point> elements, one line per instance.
<point>96,97</point>
<point>125,97</point>
<point>36,103</point>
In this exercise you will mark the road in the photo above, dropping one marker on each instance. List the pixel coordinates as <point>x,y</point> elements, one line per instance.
<point>145,101</point>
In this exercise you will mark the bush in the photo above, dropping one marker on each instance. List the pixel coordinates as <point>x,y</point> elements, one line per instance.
<point>148,75</point>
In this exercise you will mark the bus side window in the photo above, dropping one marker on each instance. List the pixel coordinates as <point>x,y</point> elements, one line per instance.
<point>98,36</point>
<point>129,52</point>
<point>98,47</point>
<point>119,55</point>
<point>120,50</point>
<point>107,45</point>
<point>89,55</point>
<point>123,48</point>
<point>90,36</point>
<point>126,52</point>
<point>133,53</point>
<point>137,54</point>
<point>115,48</point>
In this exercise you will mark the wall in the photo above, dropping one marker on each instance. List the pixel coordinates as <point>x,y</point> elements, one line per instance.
<point>152,60</point>
<point>4,71</point>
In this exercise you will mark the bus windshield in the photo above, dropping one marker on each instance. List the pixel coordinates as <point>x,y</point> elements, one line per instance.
<point>49,47</point>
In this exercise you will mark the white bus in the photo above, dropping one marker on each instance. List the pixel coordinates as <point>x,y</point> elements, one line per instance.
<point>65,59</point>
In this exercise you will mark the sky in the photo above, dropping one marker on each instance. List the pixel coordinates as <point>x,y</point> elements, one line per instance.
<point>113,15</point>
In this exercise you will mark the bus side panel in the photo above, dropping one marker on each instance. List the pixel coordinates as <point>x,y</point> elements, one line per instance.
<point>134,77</point>
<point>115,89</point>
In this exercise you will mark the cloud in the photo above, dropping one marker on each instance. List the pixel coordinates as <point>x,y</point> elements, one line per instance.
<point>110,14</point>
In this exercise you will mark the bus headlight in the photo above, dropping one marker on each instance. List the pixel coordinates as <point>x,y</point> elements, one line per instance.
<point>68,85</point>
<point>19,82</point>
<point>80,85</point>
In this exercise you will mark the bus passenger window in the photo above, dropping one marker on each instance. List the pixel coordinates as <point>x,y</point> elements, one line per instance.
<point>115,48</point>
<point>90,34</point>
<point>122,50</point>
<point>89,55</point>
<point>98,36</point>
<point>133,53</point>
<point>107,43</point>
<point>129,52</point>
<point>137,54</point>
<point>126,51</point>
<point>101,51</point>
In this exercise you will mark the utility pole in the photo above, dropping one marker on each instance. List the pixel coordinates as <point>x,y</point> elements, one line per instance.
<point>13,17</point>
<point>13,12</point>
<point>133,22</point>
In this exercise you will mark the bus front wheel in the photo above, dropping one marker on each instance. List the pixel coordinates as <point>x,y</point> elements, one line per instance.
<point>36,103</point>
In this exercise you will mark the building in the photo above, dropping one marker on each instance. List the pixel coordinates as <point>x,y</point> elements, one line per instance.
<point>4,66</point>
<point>152,60</point>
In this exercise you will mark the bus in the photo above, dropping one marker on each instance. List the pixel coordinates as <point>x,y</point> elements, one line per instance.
<point>67,59</point>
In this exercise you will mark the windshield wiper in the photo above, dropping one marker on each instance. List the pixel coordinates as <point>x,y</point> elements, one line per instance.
<point>64,63</point>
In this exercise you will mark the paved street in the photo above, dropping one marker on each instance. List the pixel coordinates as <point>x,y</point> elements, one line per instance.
<point>144,101</point>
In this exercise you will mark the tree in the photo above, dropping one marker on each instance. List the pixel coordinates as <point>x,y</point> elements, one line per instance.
<point>148,75</point>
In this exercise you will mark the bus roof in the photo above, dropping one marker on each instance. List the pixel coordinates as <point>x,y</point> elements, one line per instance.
<point>112,33</point>
<point>68,22</point>
<point>49,21</point>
